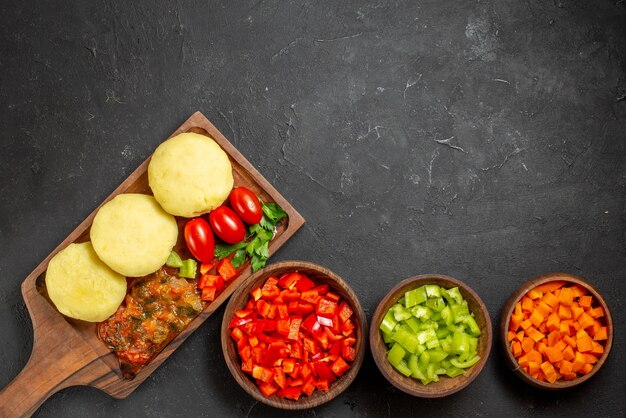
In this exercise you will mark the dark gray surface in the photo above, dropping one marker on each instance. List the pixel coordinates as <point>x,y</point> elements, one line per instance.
<point>343,107</point>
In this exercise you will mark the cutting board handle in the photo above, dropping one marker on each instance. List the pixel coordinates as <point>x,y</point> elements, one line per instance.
<point>60,358</point>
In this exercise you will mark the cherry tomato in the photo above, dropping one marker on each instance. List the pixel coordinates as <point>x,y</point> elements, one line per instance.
<point>227,225</point>
<point>199,239</point>
<point>246,205</point>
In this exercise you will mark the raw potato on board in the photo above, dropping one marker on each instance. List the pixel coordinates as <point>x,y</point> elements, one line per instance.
<point>190,174</point>
<point>83,287</point>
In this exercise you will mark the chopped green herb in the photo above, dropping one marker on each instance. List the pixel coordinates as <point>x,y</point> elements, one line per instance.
<point>239,258</point>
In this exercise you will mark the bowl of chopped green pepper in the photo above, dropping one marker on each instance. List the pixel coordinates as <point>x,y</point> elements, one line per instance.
<point>431,335</point>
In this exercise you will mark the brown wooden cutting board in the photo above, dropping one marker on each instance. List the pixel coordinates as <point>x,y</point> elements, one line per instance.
<point>68,352</point>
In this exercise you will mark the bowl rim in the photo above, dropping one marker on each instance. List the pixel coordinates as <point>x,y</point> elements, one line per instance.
<point>337,387</point>
<point>506,316</point>
<point>377,343</point>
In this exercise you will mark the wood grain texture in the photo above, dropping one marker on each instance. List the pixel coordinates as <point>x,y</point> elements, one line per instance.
<point>319,275</point>
<point>446,386</point>
<point>67,352</point>
<point>506,317</point>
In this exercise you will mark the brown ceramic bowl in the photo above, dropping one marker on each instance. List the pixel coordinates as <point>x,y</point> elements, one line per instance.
<point>446,386</point>
<point>506,316</point>
<point>319,275</point>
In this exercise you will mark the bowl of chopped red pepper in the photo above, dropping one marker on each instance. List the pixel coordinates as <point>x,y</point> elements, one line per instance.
<point>294,335</point>
<point>556,331</point>
<point>431,335</point>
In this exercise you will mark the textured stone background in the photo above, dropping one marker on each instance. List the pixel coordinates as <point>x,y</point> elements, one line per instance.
<point>480,139</point>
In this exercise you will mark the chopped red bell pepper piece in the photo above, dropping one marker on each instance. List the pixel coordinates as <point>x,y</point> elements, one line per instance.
<point>227,270</point>
<point>340,366</point>
<point>282,327</point>
<point>289,365</point>
<point>262,307</point>
<point>237,334</point>
<point>208,294</point>
<point>290,393</point>
<point>326,308</point>
<point>304,308</point>
<point>283,311</point>
<point>349,341</point>
<point>323,372</point>
<point>271,314</point>
<point>345,312</point>
<point>262,373</point>
<point>348,353</point>
<point>322,289</point>
<point>279,377</point>
<point>304,283</point>
<point>327,322</point>
<point>290,295</point>
<point>242,313</point>
<point>333,296</point>
<point>268,389</point>
<point>256,293</point>
<point>337,348</point>
<point>289,280</point>
<point>322,385</point>
<point>206,267</point>
<point>294,328</point>
<point>237,322</point>
<point>211,280</point>
<point>309,386</point>
<point>310,296</point>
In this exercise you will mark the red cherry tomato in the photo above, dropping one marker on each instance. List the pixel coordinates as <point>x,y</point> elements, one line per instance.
<point>227,225</point>
<point>246,205</point>
<point>199,239</point>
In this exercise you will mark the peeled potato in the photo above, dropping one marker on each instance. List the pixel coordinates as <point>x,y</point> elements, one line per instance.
<point>133,235</point>
<point>190,174</point>
<point>83,287</point>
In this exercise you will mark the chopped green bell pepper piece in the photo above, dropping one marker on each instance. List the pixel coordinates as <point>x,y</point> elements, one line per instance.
<point>174,260</point>
<point>460,343</point>
<point>413,323</point>
<point>474,329</point>
<point>388,323</point>
<point>188,269</point>
<point>403,368</point>
<point>452,371</point>
<point>433,291</point>
<point>406,339</point>
<point>400,313</point>
<point>421,312</point>
<point>465,364</point>
<point>436,304</point>
<point>396,354</point>
<point>415,297</point>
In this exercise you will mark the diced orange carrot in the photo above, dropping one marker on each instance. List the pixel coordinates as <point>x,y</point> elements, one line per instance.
<point>516,348</point>
<point>510,335</point>
<point>534,355</point>
<point>523,361</point>
<point>577,311</point>
<point>520,336</point>
<point>597,312</point>
<point>518,308</point>
<point>534,294</point>
<point>566,367</point>
<point>527,304</point>
<point>586,368</point>
<point>553,337</point>
<point>560,345</point>
<point>568,353</point>
<point>579,291</point>
<point>536,318</point>
<point>576,325</point>
<point>585,320</point>
<point>569,340</point>
<point>526,324</point>
<point>527,344</point>
<point>584,344</point>
<point>590,358</point>
<point>541,347</point>
<point>533,367</point>
<point>564,328</point>
<point>579,362</point>
<point>553,322</point>
<point>566,297</point>
<point>601,334</point>
<point>597,348</point>
<point>565,312</point>
<point>550,286</point>
<point>515,321</point>
<point>570,376</point>
<point>534,334</point>
<point>548,371</point>
<point>554,355</point>
<point>585,301</point>
<point>550,299</point>
<point>543,308</point>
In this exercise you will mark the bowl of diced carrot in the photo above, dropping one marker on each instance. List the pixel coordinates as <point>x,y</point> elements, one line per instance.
<point>556,331</point>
